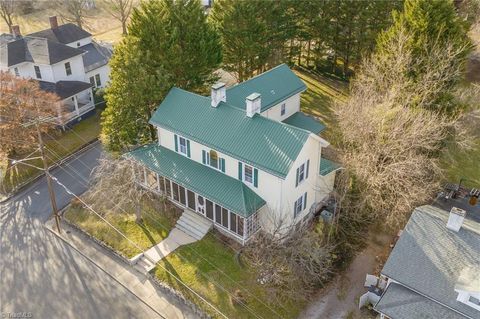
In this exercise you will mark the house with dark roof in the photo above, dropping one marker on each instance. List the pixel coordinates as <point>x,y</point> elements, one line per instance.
<point>433,272</point>
<point>64,60</point>
<point>242,159</point>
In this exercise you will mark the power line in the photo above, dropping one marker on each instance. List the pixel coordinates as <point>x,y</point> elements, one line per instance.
<point>191,248</point>
<point>185,259</point>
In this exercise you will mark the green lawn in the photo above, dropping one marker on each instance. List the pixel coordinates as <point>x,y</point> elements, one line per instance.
<point>155,228</point>
<point>58,145</point>
<point>463,164</point>
<point>319,99</point>
<point>211,269</point>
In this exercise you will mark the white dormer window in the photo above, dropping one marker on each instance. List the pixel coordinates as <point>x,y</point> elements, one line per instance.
<point>282,109</point>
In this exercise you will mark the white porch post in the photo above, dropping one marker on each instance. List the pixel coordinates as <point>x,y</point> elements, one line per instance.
<point>75,101</point>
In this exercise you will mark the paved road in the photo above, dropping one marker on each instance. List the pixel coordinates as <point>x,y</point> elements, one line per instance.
<point>41,274</point>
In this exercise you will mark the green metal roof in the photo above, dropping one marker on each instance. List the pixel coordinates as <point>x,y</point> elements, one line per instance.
<point>274,86</point>
<point>266,144</point>
<point>327,166</point>
<point>303,121</point>
<point>203,180</point>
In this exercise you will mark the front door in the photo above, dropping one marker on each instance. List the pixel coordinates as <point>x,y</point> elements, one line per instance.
<point>201,205</point>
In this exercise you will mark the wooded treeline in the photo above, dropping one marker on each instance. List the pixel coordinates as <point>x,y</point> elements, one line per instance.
<point>327,35</point>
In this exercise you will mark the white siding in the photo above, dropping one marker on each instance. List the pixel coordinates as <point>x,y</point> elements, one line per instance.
<point>76,65</point>
<point>279,194</point>
<point>82,42</point>
<point>292,105</point>
<point>104,72</point>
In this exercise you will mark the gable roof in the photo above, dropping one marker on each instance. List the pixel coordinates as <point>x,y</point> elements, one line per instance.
<point>257,141</point>
<point>210,183</point>
<point>96,55</point>
<point>37,50</point>
<point>399,302</point>
<point>429,258</point>
<point>274,86</point>
<point>306,122</point>
<point>65,33</point>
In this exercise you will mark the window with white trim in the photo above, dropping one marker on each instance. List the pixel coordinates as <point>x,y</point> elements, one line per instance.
<point>68,68</point>
<point>302,173</point>
<point>282,109</point>
<point>38,74</point>
<point>182,144</point>
<point>299,205</point>
<point>248,174</point>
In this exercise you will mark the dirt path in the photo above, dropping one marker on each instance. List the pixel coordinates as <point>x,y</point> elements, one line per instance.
<point>340,299</point>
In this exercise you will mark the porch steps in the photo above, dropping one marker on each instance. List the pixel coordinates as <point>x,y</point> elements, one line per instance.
<point>144,264</point>
<point>193,224</point>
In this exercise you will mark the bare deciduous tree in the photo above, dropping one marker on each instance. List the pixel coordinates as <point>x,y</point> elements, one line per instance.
<point>7,10</point>
<point>392,136</point>
<point>23,105</point>
<point>114,187</point>
<point>120,10</point>
<point>74,11</point>
<point>293,262</point>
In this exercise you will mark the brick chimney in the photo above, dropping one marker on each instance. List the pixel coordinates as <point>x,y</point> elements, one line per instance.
<point>16,31</point>
<point>53,22</point>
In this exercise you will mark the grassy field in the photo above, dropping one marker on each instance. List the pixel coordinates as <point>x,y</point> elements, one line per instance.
<point>58,146</point>
<point>98,22</point>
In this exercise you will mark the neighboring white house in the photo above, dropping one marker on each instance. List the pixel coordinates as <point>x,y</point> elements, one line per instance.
<point>64,60</point>
<point>230,159</point>
<point>433,271</point>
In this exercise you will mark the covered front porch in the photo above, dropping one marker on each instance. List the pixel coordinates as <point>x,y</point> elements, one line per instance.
<point>227,203</point>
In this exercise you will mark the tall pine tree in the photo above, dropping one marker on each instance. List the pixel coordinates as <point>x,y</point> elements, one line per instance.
<point>169,43</point>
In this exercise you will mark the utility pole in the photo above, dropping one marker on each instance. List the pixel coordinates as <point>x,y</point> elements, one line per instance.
<point>49,179</point>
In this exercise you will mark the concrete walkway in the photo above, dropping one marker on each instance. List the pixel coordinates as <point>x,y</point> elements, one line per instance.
<point>175,239</point>
<point>164,304</point>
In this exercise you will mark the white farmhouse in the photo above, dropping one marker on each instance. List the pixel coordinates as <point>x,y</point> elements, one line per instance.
<point>64,60</point>
<point>242,158</point>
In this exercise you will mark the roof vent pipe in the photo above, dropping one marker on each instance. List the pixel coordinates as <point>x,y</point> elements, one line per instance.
<point>455,219</point>
<point>218,94</point>
<point>253,104</point>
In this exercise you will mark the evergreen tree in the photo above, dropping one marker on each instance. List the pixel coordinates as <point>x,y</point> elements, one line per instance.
<point>134,91</point>
<point>430,25</point>
<point>169,43</point>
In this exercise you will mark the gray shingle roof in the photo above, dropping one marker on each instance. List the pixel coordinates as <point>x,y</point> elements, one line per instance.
<point>429,258</point>
<point>64,89</point>
<point>95,56</point>
<point>399,302</point>
<point>36,50</point>
<point>65,33</point>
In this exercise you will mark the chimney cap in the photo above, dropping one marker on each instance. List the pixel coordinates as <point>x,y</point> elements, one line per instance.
<point>218,85</point>
<point>253,96</point>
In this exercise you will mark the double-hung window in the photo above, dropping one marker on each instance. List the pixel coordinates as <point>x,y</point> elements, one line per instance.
<point>68,68</point>
<point>299,205</point>
<point>97,79</point>
<point>182,142</point>
<point>302,172</point>
<point>282,109</point>
<point>182,145</point>
<point>38,74</point>
<point>248,174</point>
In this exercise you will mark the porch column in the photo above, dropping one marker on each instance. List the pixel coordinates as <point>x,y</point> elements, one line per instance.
<point>75,101</point>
